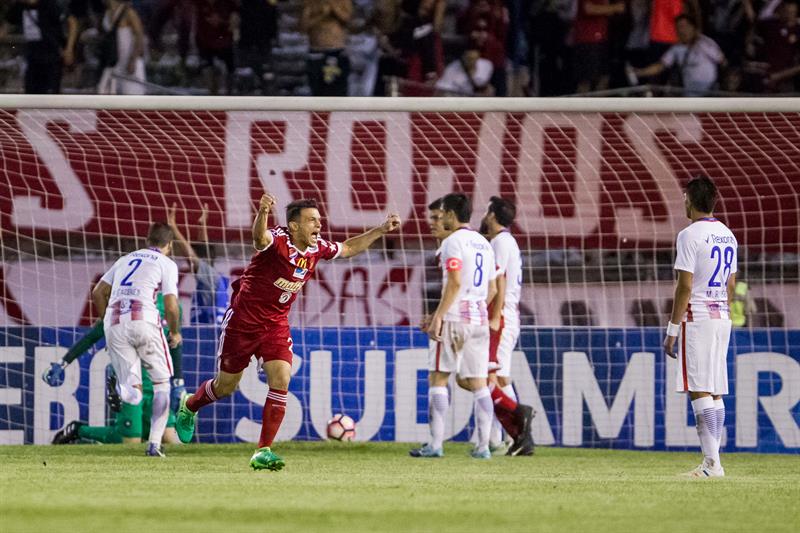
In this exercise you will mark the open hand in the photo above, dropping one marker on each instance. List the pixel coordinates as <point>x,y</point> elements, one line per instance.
<point>175,340</point>
<point>172,218</point>
<point>203,215</point>
<point>669,346</point>
<point>435,328</point>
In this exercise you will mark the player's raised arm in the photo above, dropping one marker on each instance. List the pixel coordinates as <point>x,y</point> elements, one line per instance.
<point>262,238</point>
<point>355,245</point>
<point>186,247</point>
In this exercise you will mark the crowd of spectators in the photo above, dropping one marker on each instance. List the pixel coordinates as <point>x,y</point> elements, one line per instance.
<point>410,47</point>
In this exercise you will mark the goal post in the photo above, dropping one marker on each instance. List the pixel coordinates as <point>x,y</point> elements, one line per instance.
<point>598,188</point>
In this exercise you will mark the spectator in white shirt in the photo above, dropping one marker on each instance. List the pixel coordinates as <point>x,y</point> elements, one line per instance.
<point>467,76</point>
<point>696,57</point>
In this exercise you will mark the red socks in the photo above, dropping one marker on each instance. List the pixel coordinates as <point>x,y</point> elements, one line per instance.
<point>504,408</point>
<point>274,409</point>
<point>204,396</point>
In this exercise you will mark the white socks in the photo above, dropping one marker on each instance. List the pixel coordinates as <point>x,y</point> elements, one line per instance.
<point>484,414</point>
<point>438,402</point>
<point>158,420</point>
<point>705,414</point>
<point>719,405</point>
<point>496,436</point>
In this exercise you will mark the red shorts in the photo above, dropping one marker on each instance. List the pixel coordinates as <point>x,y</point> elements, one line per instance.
<point>494,343</point>
<point>237,346</point>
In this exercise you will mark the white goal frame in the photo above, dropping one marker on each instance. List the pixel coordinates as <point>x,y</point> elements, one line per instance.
<point>415,104</point>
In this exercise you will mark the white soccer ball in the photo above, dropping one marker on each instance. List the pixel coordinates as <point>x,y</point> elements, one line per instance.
<point>341,427</point>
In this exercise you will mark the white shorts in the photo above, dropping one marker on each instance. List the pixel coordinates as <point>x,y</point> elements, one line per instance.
<point>464,349</point>
<point>702,356</point>
<point>508,341</point>
<point>134,343</point>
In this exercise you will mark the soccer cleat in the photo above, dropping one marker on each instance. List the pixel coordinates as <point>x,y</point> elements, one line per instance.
<point>705,471</point>
<point>523,415</point>
<point>481,454</point>
<point>523,445</point>
<point>426,451</point>
<point>69,433</point>
<point>184,422</point>
<point>266,459</point>
<point>154,450</point>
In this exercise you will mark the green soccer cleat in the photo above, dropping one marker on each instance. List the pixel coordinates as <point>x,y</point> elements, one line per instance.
<point>266,459</point>
<point>184,422</point>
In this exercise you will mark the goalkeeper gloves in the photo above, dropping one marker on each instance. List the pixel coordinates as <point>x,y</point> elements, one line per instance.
<point>178,390</point>
<point>54,376</point>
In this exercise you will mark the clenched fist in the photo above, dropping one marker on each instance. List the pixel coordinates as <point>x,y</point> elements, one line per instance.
<point>266,202</point>
<point>392,223</point>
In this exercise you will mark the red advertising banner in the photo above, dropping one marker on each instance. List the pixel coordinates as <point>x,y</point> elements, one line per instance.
<point>586,180</point>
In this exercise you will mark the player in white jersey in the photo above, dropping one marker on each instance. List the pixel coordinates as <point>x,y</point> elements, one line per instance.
<point>438,394</point>
<point>460,322</point>
<point>125,296</point>
<point>706,264</point>
<point>504,327</point>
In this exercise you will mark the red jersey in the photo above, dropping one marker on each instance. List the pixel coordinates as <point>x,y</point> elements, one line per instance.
<point>275,276</point>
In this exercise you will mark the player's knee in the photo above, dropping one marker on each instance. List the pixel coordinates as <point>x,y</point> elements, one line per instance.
<point>503,381</point>
<point>280,382</point>
<point>438,379</point>
<point>279,373</point>
<point>223,388</point>
<point>130,394</point>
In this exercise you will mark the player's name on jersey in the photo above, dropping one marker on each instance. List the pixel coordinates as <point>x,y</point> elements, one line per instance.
<point>721,239</point>
<point>289,286</point>
<point>478,245</point>
<point>144,254</point>
<point>719,294</point>
<point>127,291</point>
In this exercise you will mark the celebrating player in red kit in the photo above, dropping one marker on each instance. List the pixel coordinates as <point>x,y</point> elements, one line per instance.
<point>257,322</point>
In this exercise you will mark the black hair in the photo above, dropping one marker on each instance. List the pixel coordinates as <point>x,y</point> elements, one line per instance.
<point>160,235</point>
<point>459,204</point>
<point>687,18</point>
<point>294,209</point>
<point>504,210</point>
<point>702,194</point>
<point>436,204</point>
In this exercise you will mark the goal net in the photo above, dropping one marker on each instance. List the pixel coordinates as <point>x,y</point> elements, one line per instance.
<point>598,188</point>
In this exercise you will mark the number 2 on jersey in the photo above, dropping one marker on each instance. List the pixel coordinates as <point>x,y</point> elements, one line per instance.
<point>477,276</point>
<point>135,263</point>
<point>724,259</point>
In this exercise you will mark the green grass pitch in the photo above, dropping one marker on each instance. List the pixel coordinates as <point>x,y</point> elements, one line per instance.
<point>331,486</point>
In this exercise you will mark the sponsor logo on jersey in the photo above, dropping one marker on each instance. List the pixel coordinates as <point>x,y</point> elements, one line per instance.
<point>289,286</point>
<point>302,265</point>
